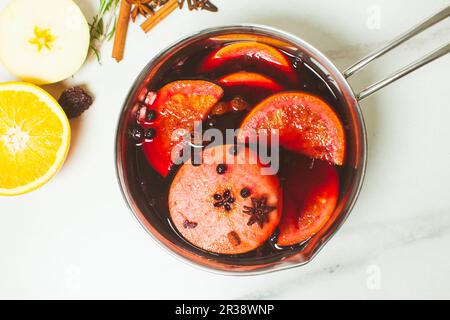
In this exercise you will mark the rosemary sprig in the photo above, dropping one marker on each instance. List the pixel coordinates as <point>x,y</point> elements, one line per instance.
<point>103,25</point>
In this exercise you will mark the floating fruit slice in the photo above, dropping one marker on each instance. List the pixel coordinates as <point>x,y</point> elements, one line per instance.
<point>34,138</point>
<point>249,53</point>
<point>176,107</point>
<point>306,125</point>
<point>310,196</point>
<point>43,41</point>
<point>223,206</point>
<point>250,80</point>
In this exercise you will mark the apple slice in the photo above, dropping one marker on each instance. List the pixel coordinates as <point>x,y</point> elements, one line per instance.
<point>250,53</point>
<point>250,81</point>
<point>177,105</point>
<point>306,125</point>
<point>226,207</point>
<point>310,196</point>
<point>43,41</point>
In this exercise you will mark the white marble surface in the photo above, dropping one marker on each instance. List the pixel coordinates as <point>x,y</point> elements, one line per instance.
<point>74,238</point>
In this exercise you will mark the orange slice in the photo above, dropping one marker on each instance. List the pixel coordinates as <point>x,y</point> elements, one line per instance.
<point>310,196</point>
<point>34,138</point>
<point>178,105</point>
<point>306,124</point>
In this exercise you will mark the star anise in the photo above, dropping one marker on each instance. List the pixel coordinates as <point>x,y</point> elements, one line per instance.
<point>143,7</point>
<point>259,211</point>
<point>198,5</point>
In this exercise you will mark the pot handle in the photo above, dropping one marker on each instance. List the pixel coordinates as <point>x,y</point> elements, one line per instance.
<point>441,15</point>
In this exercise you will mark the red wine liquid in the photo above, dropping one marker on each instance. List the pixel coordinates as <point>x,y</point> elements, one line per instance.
<point>150,190</point>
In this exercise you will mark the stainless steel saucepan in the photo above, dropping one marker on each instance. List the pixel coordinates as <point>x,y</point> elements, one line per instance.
<point>355,134</point>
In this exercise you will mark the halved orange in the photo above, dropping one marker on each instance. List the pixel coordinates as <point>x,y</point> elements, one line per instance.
<point>311,191</point>
<point>249,80</point>
<point>178,105</point>
<point>34,138</point>
<point>250,54</point>
<point>306,124</point>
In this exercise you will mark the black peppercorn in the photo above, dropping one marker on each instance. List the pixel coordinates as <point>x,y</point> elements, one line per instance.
<point>231,200</point>
<point>245,192</point>
<point>218,204</point>
<point>217,197</point>
<point>221,168</point>
<point>227,207</point>
<point>150,133</point>
<point>151,115</point>
<point>226,194</point>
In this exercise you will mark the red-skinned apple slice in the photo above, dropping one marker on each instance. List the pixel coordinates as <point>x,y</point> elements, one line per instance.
<point>249,53</point>
<point>306,124</point>
<point>177,105</point>
<point>310,196</point>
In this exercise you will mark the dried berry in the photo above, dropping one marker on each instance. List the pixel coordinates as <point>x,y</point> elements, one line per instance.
<point>245,192</point>
<point>150,133</point>
<point>151,115</point>
<point>221,168</point>
<point>75,101</point>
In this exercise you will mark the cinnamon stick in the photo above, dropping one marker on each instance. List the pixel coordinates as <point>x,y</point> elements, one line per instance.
<point>165,10</point>
<point>121,30</point>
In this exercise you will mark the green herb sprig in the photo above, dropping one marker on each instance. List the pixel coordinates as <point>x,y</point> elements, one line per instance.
<point>103,25</point>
